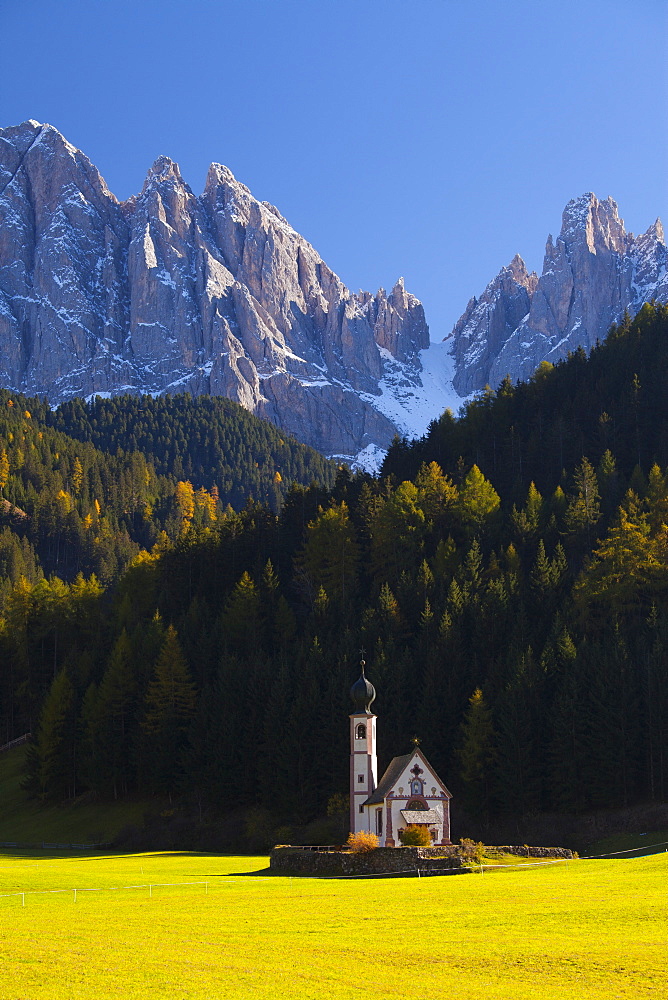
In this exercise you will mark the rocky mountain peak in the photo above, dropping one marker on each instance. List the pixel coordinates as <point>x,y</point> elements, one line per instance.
<point>594,223</point>
<point>52,162</point>
<point>515,273</point>
<point>170,292</point>
<point>220,175</point>
<point>656,232</point>
<point>592,273</point>
<point>163,171</point>
<point>488,321</point>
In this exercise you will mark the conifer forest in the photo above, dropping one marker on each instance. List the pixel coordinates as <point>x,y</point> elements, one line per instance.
<point>184,594</point>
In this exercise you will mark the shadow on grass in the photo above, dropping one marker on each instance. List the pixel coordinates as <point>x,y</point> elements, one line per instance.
<point>35,853</point>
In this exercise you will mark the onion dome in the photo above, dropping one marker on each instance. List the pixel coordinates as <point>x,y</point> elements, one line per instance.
<point>362,693</point>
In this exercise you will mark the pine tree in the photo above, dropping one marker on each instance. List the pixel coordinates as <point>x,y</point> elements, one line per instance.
<point>477,500</point>
<point>397,534</point>
<point>541,572</point>
<point>329,558</point>
<point>4,469</point>
<point>527,521</point>
<point>446,559</point>
<point>477,754</point>
<point>77,477</point>
<point>569,731</point>
<point>655,706</point>
<point>51,763</point>
<point>657,498</point>
<point>584,510</point>
<point>436,492</point>
<point>613,744</point>
<point>240,617</point>
<point>185,503</point>
<point>622,570</point>
<point>169,708</point>
<point>518,765</point>
<point>608,481</point>
<point>114,718</point>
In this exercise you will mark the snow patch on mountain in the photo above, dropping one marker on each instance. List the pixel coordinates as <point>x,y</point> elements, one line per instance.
<point>412,395</point>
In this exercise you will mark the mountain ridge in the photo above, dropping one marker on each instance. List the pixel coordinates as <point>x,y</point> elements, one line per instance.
<point>168,291</point>
<point>217,294</point>
<point>592,274</point>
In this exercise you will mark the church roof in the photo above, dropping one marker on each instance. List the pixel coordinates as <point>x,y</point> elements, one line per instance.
<point>421,816</point>
<point>394,771</point>
<point>389,779</point>
<point>363,693</point>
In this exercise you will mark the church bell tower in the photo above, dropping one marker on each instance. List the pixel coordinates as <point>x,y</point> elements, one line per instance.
<point>363,764</point>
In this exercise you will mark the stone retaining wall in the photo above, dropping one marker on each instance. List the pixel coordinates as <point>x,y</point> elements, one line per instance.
<point>383,860</point>
<point>535,852</point>
<point>390,860</point>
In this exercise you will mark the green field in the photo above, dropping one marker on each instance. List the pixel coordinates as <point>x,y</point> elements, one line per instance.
<point>589,929</point>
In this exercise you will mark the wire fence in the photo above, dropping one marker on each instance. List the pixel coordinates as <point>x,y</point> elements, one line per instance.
<point>653,848</point>
<point>45,846</point>
<point>113,888</point>
<point>15,743</point>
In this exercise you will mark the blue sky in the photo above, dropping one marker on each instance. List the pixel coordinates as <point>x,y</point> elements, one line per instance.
<point>427,138</point>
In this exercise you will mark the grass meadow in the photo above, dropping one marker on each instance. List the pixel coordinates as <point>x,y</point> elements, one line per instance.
<point>594,929</point>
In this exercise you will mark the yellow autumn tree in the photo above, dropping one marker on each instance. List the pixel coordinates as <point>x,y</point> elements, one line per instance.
<point>436,491</point>
<point>4,469</point>
<point>185,503</point>
<point>624,569</point>
<point>477,500</point>
<point>330,554</point>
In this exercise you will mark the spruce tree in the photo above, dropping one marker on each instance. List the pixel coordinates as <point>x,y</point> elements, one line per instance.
<point>169,708</point>
<point>583,511</point>
<point>477,753</point>
<point>51,761</point>
<point>114,720</point>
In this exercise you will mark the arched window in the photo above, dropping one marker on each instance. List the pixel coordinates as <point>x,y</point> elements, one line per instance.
<point>416,786</point>
<point>360,732</point>
<point>415,804</point>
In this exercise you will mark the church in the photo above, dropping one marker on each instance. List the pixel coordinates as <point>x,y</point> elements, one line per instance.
<point>409,793</point>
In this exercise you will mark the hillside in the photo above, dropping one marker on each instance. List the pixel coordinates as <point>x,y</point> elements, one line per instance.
<point>83,821</point>
<point>84,488</point>
<point>208,440</point>
<point>513,618</point>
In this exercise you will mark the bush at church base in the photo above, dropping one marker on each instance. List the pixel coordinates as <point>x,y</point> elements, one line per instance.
<point>415,836</point>
<point>362,841</point>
